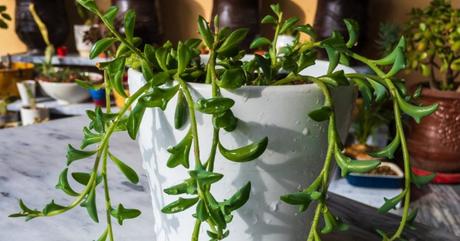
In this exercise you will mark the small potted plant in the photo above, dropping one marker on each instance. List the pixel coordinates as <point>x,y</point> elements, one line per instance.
<point>32,113</point>
<point>260,127</point>
<point>433,49</point>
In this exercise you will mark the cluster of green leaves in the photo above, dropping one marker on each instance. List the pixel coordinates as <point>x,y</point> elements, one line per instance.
<point>168,68</point>
<point>434,43</point>
<point>4,17</point>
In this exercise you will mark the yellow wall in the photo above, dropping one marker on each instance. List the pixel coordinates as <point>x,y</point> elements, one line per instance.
<point>179,16</point>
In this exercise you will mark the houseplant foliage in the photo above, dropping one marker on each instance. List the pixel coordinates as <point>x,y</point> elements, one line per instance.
<point>4,17</point>
<point>167,70</point>
<point>434,44</point>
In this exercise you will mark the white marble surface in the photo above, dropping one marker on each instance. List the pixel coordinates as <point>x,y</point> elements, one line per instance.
<point>31,159</point>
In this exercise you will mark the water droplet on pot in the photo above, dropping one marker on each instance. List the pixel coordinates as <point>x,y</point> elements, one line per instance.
<point>274,206</point>
<point>305,131</point>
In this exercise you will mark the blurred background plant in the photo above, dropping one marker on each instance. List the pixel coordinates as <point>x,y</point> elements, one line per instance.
<point>4,17</point>
<point>433,43</point>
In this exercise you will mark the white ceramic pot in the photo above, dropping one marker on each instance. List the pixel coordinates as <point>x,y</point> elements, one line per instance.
<point>34,116</point>
<point>82,47</point>
<point>284,40</point>
<point>24,87</point>
<point>295,154</point>
<point>65,93</point>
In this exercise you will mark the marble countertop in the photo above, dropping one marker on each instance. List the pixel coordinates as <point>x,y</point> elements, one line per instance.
<point>31,159</point>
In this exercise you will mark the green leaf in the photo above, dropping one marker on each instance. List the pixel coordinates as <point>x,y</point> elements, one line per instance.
<point>391,203</point>
<point>181,152</point>
<point>64,185</point>
<point>184,55</point>
<point>379,90</point>
<point>74,154</point>
<point>246,153</point>
<point>239,198</point>
<point>416,112</point>
<point>301,198</point>
<point>215,211</point>
<point>52,207</point>
<point>353,31</point>
<point>332,223</point>
<point>188,187</point>
<point>399,63</point>
<point>204,177</point>
<point>147,71</point>
<point>125,169</point>
<point>333,56</point>
<point>90,205</point>
<point>6,16</point>
<point>180,205</point>
<point>214,105</point>
<point>104,235</point>
<point>180,116</point>
<point>388,151</point>
<point>321,114</point>
<point>307,29</point>
<point>347,164</point>
<point>420,181</point>
<point>366,92</point>
<point>192,43</point>
<point>231,43</point>
<point>89,138</point>
<point>129,23</point>
<point>81,177</point>
<point>260,42</point>
<point>226,120</point>
<point>159,97</point>
<point>305,60</point>
<point>201,211</point>
<point>390,58</point>
<point>135,119</point>
<point>124,51</point>
<point>111,14</point>
<point>149,53</point>
<point>116,71</point>
<point>269,19</point>
<point>121,213</point>
<point>205,32</point>
<point>335,79</point>
<point>276,8</point>
<point>288,24</point>
<point>383,235</point>
<point>232,78</point>
<point>100,46</point>
<point>161,55</point>
<point>89,5</point>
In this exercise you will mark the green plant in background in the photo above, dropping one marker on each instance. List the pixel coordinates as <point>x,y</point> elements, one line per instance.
<point>226,69</point>
<point>388,37</point>
<point>3,107</point>
<point>4,17</point>
<point>434,43</point>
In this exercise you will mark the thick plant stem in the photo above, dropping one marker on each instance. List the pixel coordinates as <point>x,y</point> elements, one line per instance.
<point>196,230</point>
<point>108,205</point>
<point>407,168</point>
<point>324,175</point>
<point>400,130</point>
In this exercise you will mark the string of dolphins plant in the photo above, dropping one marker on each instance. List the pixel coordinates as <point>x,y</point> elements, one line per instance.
<point>167,71</point>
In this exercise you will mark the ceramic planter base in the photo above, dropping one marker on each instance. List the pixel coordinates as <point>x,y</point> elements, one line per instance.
<point>434,144</point>
<point>294,156</point>
<point>34,116</point>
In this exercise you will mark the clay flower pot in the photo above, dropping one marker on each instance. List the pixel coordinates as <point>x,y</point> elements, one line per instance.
<point>434,144</point>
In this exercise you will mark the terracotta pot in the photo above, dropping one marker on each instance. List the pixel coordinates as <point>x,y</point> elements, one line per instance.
<point>434,144</point>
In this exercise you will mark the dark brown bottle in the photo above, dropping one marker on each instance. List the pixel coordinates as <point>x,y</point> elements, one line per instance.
<point>52,13</point>
<point>147,19</point>
<point>239,14</point>
<point>330,14</point>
